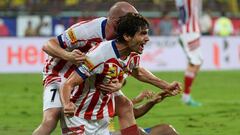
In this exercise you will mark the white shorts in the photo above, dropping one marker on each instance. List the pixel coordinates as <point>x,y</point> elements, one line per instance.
<point>79,126</point>
<point>191,45</point>
<point>51,96</point>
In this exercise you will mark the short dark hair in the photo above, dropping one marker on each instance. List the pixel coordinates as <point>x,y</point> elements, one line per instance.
<point>129,24</point>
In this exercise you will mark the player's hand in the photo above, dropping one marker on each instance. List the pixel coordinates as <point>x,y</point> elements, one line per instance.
<point>76,57</point>
<point>146,94</point>
<point>174,88</point>
<point>158,97</point>
<point>69,109</point>
<point>113,86</point>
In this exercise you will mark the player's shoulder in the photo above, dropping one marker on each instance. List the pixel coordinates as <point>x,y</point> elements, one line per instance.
<point>99,19</point>
<point>101,53</point>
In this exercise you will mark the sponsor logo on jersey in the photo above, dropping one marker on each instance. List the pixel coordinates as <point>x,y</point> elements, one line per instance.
<point>72,36</point>
<point>89,64</point>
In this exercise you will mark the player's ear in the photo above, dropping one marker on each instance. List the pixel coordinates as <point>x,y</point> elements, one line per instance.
<point>127,37</point>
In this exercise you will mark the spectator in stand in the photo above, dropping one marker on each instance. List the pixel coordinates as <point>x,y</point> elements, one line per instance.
<point>30,31</point>
<point>166,25</point>
<point>17,5</point>
<point>3,4</point>
<point>223,26</point>
<point>205,22</point>
<point>3,29</point>
<point>44,28</point>
<point>71,4</point>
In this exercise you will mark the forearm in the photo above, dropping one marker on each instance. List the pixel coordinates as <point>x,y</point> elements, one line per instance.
<point>146,76</point>
<point>65,93</point>
<point>135,101</point>
<point>53,49</point>
<point>142,109</point>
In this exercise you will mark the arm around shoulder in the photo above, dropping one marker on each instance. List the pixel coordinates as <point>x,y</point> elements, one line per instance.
<point>53,48</point>
<point>65,91</point>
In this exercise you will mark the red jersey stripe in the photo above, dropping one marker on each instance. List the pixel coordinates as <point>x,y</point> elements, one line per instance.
<point>110,107</point>
<point>92,105</point>
<point>78,93</point>
<point>82,104</point>
<point>69,71</point>
<point>48,64</point>
<point>100,112</point>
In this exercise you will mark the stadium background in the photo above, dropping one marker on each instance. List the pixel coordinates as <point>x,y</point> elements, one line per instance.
<point>217,87</point>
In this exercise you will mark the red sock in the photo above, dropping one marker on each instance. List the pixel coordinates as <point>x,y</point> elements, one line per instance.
<point>188,80</point>
<point>132,130</point>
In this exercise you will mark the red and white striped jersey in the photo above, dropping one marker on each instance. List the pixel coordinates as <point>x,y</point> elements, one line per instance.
<point>83,36</point>
<point>103,64</point>
<point>189,13</point>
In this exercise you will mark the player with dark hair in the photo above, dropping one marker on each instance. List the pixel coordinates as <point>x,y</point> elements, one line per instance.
<point>109,60</point>
<point>66,51</point>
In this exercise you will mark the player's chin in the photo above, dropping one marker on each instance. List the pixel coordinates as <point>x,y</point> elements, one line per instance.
<point>139,51</point>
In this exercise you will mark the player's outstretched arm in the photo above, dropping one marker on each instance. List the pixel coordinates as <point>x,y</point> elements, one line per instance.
<point>65,93</point>
<point>146,94</point>
<point>141,110</point>
<point>146,76</point>
<point>153,99</point>
<point>53,48</point>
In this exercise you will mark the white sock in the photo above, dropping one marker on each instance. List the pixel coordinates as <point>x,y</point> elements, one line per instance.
<point>186,97</point>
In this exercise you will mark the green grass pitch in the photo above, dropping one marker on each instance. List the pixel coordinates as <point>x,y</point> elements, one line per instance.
<point>219,91</point>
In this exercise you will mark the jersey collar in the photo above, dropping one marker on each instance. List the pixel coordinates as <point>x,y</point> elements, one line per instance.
<point>103,25</point>
<point>115,48</point>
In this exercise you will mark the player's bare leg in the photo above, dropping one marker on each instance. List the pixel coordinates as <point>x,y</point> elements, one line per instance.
<point>49,122</point>
<point>163,129</point>
<point>141,132</point>
<point>190,75</point>
<point>124,110</point>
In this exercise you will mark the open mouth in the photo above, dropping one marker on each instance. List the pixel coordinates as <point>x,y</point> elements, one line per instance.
<point>142,46</point>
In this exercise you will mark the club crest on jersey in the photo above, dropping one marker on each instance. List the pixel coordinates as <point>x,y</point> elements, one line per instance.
<point>112,70</point>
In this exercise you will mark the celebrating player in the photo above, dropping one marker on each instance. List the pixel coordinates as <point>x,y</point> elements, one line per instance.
<point>109,60</point>
<point>63,54</point>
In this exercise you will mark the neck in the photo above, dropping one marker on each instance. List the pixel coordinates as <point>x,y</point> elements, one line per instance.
<point>109,31</point>
<point>123,49</point>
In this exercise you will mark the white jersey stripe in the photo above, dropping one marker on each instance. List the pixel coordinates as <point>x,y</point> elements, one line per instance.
<point>190,10</point>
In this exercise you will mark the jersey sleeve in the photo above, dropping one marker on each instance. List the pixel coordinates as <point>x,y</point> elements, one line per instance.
<point>94,64</point>
<point>71,38</point>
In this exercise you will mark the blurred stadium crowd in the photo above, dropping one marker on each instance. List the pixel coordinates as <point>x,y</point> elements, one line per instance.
<point>51,17</point>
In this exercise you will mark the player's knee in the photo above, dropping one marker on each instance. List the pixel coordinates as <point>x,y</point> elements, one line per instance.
<point>51,118</point>
<point>170,130</point>
<point>46,127</point>
<point>124,107</point>
<point>127,106</point>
